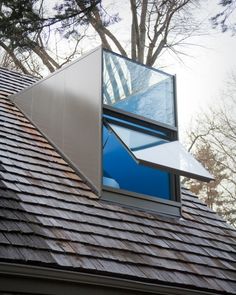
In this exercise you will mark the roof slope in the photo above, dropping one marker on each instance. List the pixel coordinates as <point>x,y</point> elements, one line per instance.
<point>50,217</point>
<point>12,82</point>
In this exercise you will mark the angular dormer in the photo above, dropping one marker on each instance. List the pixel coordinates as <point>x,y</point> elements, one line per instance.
<point>115,121</point>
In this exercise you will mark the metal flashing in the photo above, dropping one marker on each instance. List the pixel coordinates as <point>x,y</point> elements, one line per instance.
<point>145,203</point>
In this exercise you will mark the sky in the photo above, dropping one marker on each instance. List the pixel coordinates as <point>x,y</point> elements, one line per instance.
<point>203,72</point>
<point>203,76</point>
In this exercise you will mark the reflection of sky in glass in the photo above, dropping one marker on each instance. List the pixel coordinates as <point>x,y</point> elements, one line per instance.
<point>138,89</point>
<point>120,170</point>
<point>151,150</point>
<point>136,140</point>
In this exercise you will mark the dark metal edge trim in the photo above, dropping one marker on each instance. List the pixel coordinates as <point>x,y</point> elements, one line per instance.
<point>142,202</point>
<point>176,105</point>
<point>51,274</point>
<point>175,171</point>
<point>154,124</point>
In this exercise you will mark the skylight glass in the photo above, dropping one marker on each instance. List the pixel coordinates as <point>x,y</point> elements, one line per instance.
<point>121,170</point>
<point>137,89</point>
<point>155,152</point>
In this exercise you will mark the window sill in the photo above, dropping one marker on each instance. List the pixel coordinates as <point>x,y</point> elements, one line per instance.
<point>142,202</point>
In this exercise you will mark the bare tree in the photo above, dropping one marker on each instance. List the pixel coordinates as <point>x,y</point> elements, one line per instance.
<point>26,32</point>
<point>27,26</point>
<point>225,19</point>
<point>155,25</point>
<point>214,143</point>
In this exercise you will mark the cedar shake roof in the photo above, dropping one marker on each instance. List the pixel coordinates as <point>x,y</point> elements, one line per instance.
<point>50,217</point>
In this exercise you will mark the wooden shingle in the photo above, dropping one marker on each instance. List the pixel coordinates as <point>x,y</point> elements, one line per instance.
<point>49,216</point>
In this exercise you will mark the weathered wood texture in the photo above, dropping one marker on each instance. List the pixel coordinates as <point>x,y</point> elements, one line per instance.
<point>50,217</point>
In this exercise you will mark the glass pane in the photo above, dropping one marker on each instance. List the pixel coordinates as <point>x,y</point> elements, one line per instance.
<point>137,89</point>
<point>136,140</point>
<point>120,170</point>
<point>121,121</point>
<point>153,151</point>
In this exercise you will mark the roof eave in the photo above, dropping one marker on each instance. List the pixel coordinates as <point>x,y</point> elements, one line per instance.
<point>12,275</point>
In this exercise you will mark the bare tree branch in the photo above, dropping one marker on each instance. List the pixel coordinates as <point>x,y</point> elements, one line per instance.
<point>16,61</point>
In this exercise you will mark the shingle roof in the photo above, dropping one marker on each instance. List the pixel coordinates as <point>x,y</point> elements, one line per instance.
<point>12,82</point>
<point>50,217</point>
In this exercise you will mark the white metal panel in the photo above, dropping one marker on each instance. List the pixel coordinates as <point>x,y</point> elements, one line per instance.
<point>172,155</point>
<point>66,108</point>
<point>82,115</point>
<point>152,151</point>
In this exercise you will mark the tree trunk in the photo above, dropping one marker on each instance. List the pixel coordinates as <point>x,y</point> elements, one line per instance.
<point>134,30</point>
<point>142,31</point>
<point>16,61</point>
<point>43,57</point>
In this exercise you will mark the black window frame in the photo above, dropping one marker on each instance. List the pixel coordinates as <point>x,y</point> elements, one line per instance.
<point>171,135</point>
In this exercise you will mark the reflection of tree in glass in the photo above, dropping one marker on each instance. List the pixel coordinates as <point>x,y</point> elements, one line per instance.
<point>138,89</point>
